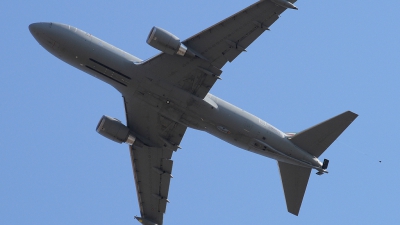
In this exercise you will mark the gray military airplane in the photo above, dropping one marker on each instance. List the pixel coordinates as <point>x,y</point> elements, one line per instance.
<point>168,93</point>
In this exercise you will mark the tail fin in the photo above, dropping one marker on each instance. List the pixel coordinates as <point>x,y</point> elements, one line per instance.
<point>317,139</point>
<point>314,140</point>
<point>294,182</point>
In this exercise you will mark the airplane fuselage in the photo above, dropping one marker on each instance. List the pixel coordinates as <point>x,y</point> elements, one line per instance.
<point>211,114</point>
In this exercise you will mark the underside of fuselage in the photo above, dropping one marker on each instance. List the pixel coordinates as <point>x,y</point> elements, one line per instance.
<point>175,108</point>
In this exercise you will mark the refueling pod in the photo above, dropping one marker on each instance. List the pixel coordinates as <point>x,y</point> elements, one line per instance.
<point>167,42</point>
<point>285,3</point>
<point>113,129</point>
<point>144,221</point>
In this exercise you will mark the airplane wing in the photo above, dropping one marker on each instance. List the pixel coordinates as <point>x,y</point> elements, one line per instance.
<point>215,46</point>
<point>223,42</point>
<point>151,160</point>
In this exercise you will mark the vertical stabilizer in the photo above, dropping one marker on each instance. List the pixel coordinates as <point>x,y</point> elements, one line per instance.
<point>294,182</point>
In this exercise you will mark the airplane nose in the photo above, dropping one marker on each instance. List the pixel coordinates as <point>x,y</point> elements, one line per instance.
<point>43,33</point>
<point>33,28</point>
<point>37,28</point>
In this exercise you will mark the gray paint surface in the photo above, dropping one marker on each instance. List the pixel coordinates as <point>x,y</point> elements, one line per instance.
<point>168,93</point>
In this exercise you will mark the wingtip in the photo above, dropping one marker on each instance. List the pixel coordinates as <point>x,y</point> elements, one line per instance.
<point>294,213</point>
<point>354,114</point>
<point>351,113</point>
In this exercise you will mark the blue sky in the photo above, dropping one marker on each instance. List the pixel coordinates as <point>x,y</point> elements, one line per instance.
<point>317,62</point>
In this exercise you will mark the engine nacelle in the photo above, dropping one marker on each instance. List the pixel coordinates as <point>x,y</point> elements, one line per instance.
<point>167,42</point>
<point>113,129</point>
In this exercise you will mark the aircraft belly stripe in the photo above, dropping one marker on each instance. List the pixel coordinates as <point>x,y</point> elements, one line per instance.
<point>105,75</point>
<point>101,64</point>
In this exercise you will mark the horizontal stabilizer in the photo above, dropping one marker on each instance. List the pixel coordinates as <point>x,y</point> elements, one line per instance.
<point>317,139</point>
<point>294,182</point>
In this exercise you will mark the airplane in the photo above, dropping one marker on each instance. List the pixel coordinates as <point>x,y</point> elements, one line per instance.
<point>168,93</point>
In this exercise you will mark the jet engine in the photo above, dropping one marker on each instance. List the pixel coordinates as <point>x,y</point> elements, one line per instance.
<point>113,129</point>
<point>167,42</point>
